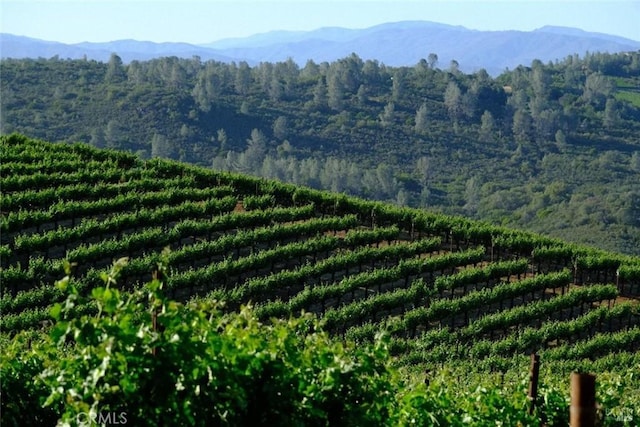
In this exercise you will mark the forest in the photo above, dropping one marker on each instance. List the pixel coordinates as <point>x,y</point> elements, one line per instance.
<point>550,148</point>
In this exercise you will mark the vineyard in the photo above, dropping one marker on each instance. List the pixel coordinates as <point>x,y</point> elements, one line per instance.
<point>448,291</point>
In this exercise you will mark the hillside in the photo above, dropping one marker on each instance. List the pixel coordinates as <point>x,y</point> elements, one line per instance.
<point>551,148</point>
<point>449,291</point>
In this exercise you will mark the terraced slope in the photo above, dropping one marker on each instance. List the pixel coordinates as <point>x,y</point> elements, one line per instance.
<point>444,288</point>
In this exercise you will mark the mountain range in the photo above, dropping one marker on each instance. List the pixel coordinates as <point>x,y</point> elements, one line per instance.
<point>394,44</point>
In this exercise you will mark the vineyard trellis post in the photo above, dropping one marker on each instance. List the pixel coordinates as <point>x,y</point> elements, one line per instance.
<point>582,412</point>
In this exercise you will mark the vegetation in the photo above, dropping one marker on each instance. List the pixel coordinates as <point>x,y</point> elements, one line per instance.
<point>551,148</point>
<point>244,300</point>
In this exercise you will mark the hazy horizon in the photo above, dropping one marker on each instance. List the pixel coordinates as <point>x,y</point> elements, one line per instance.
<point>203,22</point>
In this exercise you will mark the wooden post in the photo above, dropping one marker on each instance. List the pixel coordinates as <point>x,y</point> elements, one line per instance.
<point>583,400</point>
<point>533,381</point>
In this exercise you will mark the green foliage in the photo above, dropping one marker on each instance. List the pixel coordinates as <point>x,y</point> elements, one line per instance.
<point>154,361</point>
<point>343,127</point>
<point>146,360</point>
<point>465,300</point>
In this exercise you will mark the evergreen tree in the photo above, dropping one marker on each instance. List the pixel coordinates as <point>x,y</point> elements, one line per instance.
<point>280,128</point>
<point>487,125</point>
<point>161,146</point>
<point>388,115</point>
<point>115,70</point>
<point>433,60</point>
<point>335,92</point>
<point>421,119</point>
<point>453,101</point>
<point>320,97</point>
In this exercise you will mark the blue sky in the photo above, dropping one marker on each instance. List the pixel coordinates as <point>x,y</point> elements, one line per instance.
<point>204,21</point>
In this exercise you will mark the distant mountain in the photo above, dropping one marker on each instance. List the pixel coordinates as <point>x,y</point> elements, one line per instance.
<point>394,44</point>
<point>12,46</point>
<point>405,43</point>
<point>567,31</point>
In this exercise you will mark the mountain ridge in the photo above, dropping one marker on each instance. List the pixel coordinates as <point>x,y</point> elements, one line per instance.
<point>401,43</point>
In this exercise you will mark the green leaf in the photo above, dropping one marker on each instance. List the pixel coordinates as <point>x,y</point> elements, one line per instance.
<point>56,311</point>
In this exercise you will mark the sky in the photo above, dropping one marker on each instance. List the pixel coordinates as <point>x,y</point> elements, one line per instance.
<point>206,21</point>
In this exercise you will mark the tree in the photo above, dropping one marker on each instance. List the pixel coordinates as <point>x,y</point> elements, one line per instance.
<point>161,147</point>
<point>265,75</point>
<point>397,89</point>
<point>251,159</point>
<point>221,137</point>
<point>597,88</point>
<point>388,115</point>
<point>386,181</point>
<point>280,128</point>
<point>487,125</point>
<point>288,72</point>
<point>421,68</point>
<point>433,60</point>
<point>611,114</point>
<point>561,140</point>
<point>335,92</point>
<point>453,101</point>
<point>320,97</point>
<point>469,102</point>
<point>546,124</point>
<point>421,119</point>
<point>113,135</point>
<point>521,126</point>
<point>362,95</point>
<point>371,72</point>
<point>135,73</point>
<point>207,89</point>
<point>540,80</point>
<point>172,72</point>
<point>311,70</point>
<point>242,80</point>
<point>349,72</point>
<point>471,196</point>
<point>454,67</point>
<point>423,169</point>
<point>276,89</point>
<point>402,198</point>
<point>115,70</point>
<point>98,139</point>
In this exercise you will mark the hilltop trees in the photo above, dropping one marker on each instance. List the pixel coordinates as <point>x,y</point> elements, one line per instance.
<point>115,70</point>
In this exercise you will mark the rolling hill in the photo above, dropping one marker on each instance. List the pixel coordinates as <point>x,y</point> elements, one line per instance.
<point>447,290</point>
